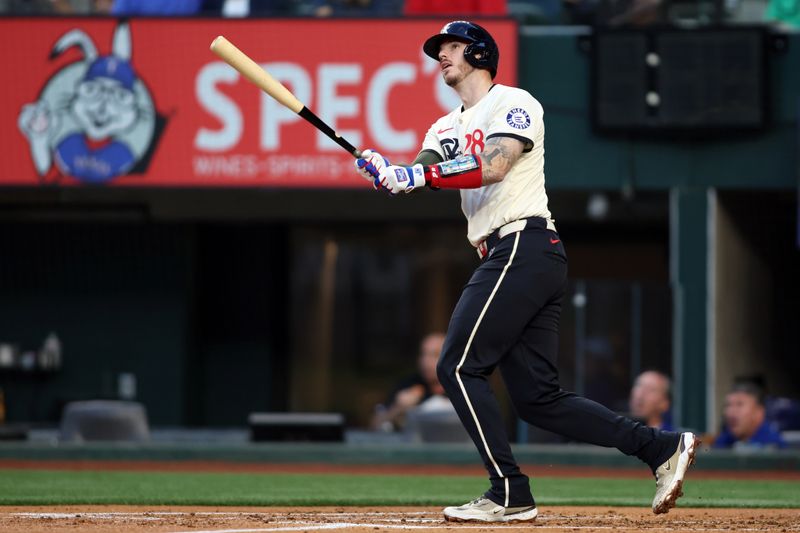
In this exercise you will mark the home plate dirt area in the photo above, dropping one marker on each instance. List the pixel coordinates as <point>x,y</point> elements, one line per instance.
<point>123,519</point>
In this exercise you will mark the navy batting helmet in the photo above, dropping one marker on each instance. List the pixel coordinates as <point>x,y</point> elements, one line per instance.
<point>481,50</point>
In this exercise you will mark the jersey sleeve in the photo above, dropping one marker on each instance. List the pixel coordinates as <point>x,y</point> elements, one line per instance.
<point>517,115</point>
<point>431,142</point>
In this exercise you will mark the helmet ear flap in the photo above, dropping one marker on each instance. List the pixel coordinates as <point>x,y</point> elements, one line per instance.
<point>475,49</point>
<point>479,55</point>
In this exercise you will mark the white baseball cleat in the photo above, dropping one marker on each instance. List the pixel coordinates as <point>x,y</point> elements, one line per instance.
<point>669,476</point>
<point>485,510</point>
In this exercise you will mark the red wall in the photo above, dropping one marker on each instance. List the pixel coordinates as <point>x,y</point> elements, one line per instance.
<point>367,78</point>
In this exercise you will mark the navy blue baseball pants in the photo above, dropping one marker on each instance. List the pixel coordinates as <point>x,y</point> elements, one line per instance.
<point>507,317</point>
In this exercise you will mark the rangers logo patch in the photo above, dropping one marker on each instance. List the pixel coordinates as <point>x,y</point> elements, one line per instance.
<point>518,118</point>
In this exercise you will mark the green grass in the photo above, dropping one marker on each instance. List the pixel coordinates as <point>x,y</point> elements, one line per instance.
<point>36,487</point>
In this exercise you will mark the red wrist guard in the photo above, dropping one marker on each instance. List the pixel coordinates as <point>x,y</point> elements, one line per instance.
<point>463,172</point>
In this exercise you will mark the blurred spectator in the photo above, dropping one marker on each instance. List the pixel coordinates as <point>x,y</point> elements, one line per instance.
<point>55,7</point>
<point>650,400</point>
<point>38,7</point>
<point>73,7</point>
<point>638,13</point>
<point>614,12</point>
<point>339,8</point>
<point>581,12</point>
<point>783,413</point>
<point>785,12</point>
<point>703,12</point>
<point>103,7</point>
<point>745,423</point>
<point>155,7</point>
<point>415,389</point>
<point>535,11</point>
<point>462,8</point>
<point>251,8</point>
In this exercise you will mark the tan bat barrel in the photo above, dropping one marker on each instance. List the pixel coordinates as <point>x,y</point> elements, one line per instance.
<point>253,72</point>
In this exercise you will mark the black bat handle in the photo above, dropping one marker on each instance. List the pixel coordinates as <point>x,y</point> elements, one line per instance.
<point>309,115</point>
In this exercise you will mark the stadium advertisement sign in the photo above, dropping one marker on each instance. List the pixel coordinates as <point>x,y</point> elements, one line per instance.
<point>145,103</point>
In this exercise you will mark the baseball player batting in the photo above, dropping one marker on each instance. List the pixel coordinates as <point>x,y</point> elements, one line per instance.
<point>492,149</point>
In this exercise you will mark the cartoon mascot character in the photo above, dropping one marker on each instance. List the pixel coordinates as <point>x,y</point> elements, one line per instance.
<point>94,119</point>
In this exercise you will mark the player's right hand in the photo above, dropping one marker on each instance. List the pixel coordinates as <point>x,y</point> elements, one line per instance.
<point>369,165</point>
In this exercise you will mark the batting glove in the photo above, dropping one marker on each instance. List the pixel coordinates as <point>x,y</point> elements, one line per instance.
<point>369,165</point>
<point>396,179</point>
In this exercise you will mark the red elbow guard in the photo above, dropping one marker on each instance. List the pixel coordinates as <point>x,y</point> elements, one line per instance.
<point>463,172</point>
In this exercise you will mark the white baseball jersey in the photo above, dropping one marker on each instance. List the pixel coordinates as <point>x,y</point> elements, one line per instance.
<point>504,111</point>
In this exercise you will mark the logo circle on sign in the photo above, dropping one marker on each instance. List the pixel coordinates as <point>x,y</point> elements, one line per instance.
<point>518,118</point>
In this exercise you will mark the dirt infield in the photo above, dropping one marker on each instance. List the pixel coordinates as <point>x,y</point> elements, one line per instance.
<point>126,519</point>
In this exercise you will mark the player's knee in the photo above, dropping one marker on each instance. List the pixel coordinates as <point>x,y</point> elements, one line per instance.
<point>446,373</point>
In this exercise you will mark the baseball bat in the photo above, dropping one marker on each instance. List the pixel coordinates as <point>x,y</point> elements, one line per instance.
<point>264,81</point>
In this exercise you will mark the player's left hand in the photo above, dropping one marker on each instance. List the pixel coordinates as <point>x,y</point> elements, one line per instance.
<point>396,179</point>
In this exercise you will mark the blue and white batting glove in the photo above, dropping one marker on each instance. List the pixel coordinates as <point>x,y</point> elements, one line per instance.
<point>369,165</point>
<point>396,179</point>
